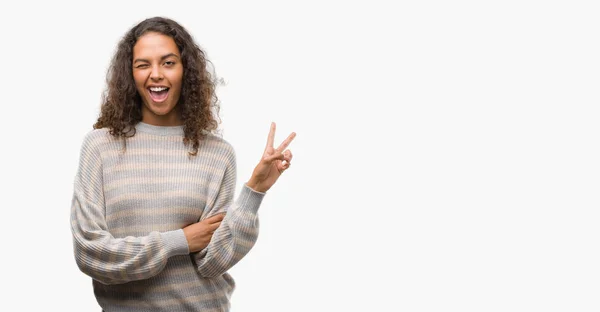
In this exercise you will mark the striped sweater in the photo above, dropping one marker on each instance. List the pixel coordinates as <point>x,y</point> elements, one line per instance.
<point>128,210</point>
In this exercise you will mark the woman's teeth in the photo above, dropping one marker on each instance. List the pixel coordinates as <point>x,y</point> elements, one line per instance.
<point>158,89</point>
<point>158,94</point>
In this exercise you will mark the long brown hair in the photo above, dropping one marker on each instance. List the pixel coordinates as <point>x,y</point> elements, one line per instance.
<point>198,104</point>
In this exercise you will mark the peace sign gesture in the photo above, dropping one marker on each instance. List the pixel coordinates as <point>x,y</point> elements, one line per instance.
<point>272,164</point>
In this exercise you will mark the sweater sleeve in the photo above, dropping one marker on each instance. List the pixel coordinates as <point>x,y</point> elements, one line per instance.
<point>107,259</point>
<point>238,231</point>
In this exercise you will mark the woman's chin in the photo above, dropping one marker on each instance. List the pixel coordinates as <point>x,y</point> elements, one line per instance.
<point>159,109</point>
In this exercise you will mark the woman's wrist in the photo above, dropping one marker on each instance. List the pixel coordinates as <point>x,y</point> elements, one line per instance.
<point>255,186</point>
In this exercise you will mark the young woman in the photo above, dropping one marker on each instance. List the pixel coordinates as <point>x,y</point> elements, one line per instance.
<point>153,217</point>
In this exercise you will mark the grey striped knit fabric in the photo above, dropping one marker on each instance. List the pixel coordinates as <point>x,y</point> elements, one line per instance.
<point>129,208</point>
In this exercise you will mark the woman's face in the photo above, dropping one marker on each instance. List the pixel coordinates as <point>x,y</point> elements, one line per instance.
<point>158,72</point>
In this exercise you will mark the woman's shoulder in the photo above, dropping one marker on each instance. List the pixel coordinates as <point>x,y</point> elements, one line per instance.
<point>218,144</point>
<point>95,138</point>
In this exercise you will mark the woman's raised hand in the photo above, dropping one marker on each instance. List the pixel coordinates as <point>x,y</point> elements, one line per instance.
<point>273,163</point>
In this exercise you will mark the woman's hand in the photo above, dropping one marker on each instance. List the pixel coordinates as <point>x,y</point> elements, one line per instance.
<point>198,234</point>
<point>273,163</point>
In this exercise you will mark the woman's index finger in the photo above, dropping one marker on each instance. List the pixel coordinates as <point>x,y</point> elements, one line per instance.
<point>216,218</point>
<point>286,142</point>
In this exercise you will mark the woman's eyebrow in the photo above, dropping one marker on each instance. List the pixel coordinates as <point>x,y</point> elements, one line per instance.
<point>162,58</point>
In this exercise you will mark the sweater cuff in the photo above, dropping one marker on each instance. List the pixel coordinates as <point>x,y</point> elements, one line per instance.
<point>249,199</point>
<point>175,243</point>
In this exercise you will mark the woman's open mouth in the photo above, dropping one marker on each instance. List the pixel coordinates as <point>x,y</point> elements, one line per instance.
<point>158,94</point>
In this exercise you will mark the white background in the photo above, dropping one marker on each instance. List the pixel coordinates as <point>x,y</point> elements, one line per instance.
<point>447,156</point>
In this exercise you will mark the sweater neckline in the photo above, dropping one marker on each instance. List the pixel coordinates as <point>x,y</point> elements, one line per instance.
<point>159,130</point>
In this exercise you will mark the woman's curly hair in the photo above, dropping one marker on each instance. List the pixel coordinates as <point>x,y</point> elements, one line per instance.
<point>198,104</point>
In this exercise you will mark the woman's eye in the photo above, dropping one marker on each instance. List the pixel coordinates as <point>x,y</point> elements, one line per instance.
<point>169,63</point>
<point>142,66</point>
